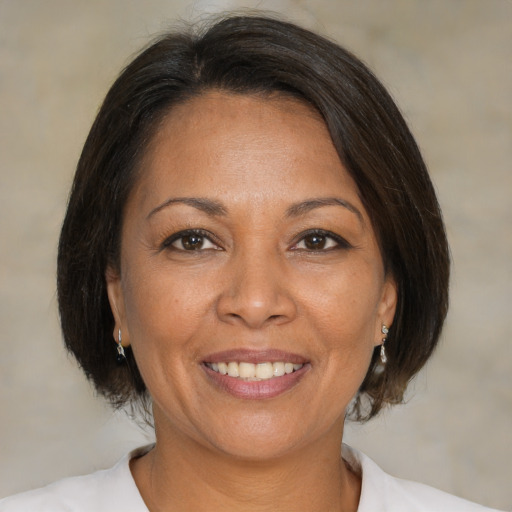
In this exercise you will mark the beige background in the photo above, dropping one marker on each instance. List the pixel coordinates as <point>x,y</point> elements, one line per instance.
<point>449,65</point>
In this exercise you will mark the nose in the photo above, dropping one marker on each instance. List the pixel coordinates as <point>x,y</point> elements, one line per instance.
<point>255,292</point>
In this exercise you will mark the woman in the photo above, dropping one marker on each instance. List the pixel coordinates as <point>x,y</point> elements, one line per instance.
<point>252,221</point>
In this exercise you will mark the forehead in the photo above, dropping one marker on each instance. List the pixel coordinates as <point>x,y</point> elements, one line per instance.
<point>260,147</point>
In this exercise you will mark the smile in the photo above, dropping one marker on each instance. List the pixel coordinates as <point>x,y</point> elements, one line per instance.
<point>254,371</point>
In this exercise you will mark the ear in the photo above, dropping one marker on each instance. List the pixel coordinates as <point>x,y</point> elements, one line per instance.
<point>117,306</point>
<point>386,308</point>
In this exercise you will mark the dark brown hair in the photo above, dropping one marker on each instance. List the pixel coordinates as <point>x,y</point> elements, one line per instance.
<point>256,55</point>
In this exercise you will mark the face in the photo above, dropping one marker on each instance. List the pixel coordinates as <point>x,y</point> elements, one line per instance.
<point>246,249</point>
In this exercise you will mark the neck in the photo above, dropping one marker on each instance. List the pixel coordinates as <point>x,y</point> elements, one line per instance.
<point>181,475</point>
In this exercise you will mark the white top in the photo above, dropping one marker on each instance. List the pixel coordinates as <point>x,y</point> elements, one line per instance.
<point>114,490</point>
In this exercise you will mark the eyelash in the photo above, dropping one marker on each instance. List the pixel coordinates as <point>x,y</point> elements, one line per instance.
<point>340,243</point>
<point>168,242</point>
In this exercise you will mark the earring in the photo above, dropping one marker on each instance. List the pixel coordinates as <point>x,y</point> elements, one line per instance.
<point>121,357</point>
<point>383,356</point>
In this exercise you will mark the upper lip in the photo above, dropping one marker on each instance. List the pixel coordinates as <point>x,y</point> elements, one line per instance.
<point>255,356</point>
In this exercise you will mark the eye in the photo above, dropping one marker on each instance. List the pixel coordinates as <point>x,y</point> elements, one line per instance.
<point>319,240</point>
<point>190,240</point>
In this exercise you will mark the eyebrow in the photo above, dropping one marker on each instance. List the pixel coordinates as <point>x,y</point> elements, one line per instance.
<point>215,208</point>
<point>208,206</point>
<point>306,206</point>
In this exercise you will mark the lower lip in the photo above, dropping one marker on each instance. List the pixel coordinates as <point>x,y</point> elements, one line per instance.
<point>256,390</point>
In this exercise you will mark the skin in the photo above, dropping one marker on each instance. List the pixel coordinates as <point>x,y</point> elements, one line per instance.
<point>256,282</point>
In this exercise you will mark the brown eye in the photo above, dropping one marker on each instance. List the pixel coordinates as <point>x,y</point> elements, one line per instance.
<point>315,242</point>
<point>319,240</point>
<point>191,242</point>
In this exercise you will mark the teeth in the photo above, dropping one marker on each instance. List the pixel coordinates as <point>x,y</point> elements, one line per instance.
<point>233,369</point>
<point>278,369</point>
<point>250,371</point>
<point>264,371</point>
<point>246,370</point>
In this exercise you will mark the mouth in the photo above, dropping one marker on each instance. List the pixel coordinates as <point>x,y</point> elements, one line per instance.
<point>253,372</point>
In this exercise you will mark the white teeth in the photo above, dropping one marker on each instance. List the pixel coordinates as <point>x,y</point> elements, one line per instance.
<point>288,367</point>
<point>233,369</point>
<point>264,371</point>
<point>246,370</point>
<point>278,369</point>
<point>222,368</point>
<point>250,371</point>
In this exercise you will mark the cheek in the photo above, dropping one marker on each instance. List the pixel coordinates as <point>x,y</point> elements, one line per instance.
<point>164,316</point>
<point>345,304</point>
<point>162,309</point>
<point>169,313</point>
<point>344,311</point>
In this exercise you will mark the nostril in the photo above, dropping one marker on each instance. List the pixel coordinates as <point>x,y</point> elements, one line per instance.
<point>255,302</point>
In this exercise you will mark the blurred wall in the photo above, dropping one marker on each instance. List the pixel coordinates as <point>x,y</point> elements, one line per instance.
<point>447,62</point>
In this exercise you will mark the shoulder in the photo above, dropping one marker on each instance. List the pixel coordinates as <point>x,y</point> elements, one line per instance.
<point>383,492</point>
<point>107,490</point>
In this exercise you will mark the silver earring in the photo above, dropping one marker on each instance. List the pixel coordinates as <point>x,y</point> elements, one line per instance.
<point>383,356</point>
<point>121,357</point>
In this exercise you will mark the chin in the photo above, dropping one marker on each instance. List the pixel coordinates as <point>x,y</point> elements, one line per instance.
<point>263,438</point>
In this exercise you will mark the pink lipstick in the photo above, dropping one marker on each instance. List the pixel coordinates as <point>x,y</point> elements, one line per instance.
<point>255,375</point>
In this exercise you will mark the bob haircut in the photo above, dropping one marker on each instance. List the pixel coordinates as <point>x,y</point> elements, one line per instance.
<point>255,55</point>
